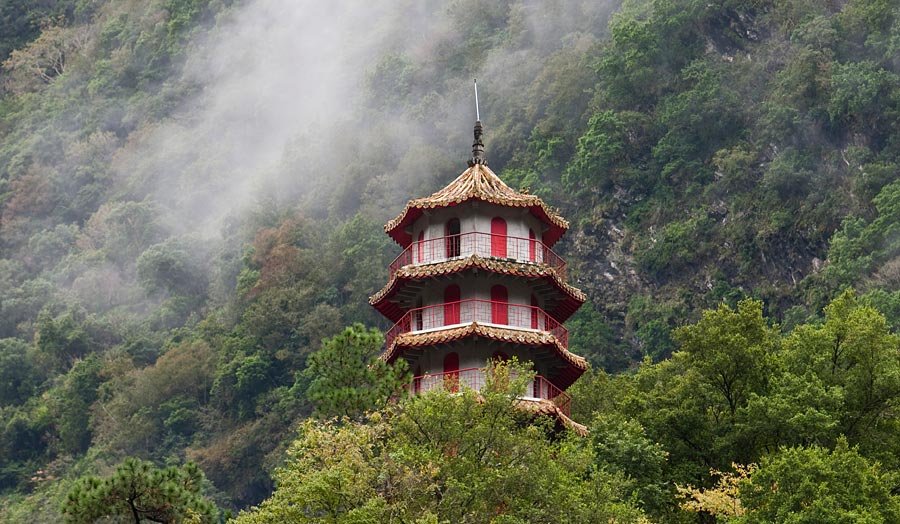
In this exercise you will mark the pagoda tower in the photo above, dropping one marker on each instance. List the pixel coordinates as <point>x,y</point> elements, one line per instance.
<point>477,280</point>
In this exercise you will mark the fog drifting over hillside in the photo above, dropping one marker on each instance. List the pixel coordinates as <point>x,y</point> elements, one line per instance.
<point>283,109</point>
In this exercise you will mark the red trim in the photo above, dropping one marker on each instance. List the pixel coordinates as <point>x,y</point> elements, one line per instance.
<point>532,256</point>
<point>498,237</point>
<point>451,371</point>
<point>451,305</point>
<point>514,316</point>
<point>499,305</point>
<point>421,244</point>
<point>400,236</point>
<point>473,378</point>
<point>563,306</point>
<point>435,250</point>
<point>565,372</point>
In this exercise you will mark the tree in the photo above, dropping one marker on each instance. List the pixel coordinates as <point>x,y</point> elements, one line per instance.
<point>72,405</point>
<point>44,59</point>
<point>64,338</point>
<point>169,268</point>
<point>853,360</point>
<point>20,375</point>
<point>443,457</point>
<point>799,485</point>
<point>348,378</point>
<point>732,350</point>
<point>139,492</point>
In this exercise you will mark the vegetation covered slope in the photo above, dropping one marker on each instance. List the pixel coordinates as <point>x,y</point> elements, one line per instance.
<point>192,193</point>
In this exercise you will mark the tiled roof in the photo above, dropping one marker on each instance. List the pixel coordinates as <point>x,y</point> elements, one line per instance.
<point>575,365</point>
<point>478,183</point>
<point>547,407</point>
<point>506,267</point>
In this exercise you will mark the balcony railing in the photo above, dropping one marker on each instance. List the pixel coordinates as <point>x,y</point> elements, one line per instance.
<point>474,378</point>
<point>481,244</point>
<point>504,314</point>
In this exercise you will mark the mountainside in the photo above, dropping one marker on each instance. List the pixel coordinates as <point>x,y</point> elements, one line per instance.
<point>192,195</point>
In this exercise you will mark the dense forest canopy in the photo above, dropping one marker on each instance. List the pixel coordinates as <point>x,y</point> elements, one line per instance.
<point>191,201</point>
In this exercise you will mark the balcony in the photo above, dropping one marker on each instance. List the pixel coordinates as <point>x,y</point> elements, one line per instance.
<point>486,312</point>
<point>474,378</point>
<point>451,247</point>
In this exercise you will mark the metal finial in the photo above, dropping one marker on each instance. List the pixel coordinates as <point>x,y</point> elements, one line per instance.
<point>477,113</point>
<point>477,145</point>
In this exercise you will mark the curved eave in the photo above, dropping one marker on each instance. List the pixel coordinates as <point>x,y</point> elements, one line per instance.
<point>548,408</point>
<point>398,228</point>
<point>573,365</point>
<point>566,308</point>
<point>477,183</point>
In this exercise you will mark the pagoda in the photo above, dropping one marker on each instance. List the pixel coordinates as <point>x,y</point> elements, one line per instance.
<point>477,280</point>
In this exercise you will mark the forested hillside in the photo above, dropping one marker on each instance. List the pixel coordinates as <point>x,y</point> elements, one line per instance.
<point>192,195</point>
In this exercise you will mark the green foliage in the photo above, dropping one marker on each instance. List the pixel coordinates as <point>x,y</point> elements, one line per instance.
<point>612,154</point>
<point>20,375</point>
<point>705,151</point>
<point>72,405</point>
<point>818,485</point>
<point>21,20</point>
<point>591,336</point>
<point>622,446</point>
<point>143,411</point>
<point>444,457</point>
<point>346,376</point>
<point>139,492</point>
<point>853,356</point>
<point>740,391</point>
<point>170,269</point>
<point>677,246</point>
<point>62,339</point>
<point>732,350</point>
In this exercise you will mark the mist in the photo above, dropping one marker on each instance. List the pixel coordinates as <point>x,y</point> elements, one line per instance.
<point>281,107</point>
<point>284,104</point>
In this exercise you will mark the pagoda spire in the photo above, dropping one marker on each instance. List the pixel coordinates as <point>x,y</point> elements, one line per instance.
<point>477,145</point>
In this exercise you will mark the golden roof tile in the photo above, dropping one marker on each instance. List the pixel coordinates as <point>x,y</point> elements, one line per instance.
<point>542,338</point>
<point>477,183</point>
<point>547,407</point>
<point>507,267</point>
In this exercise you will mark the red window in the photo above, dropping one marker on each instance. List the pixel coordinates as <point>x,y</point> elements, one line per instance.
<point>451,305</point>
<point>534,312</point>
<point>453,238</point>
<point>421,247</point>
<point>499,306</point>
<point>498,237</point>
<point>532,247</point>
<point>451,370</point>
<point>417,380</point>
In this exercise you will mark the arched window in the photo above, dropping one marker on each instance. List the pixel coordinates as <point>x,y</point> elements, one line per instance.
<point>453,238</point>
<point>499,305</point>
<point>451,372</point>
<point>451,305</point>
<point>498,237</point>
<point>420,247</point>
<point>532,246</point>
